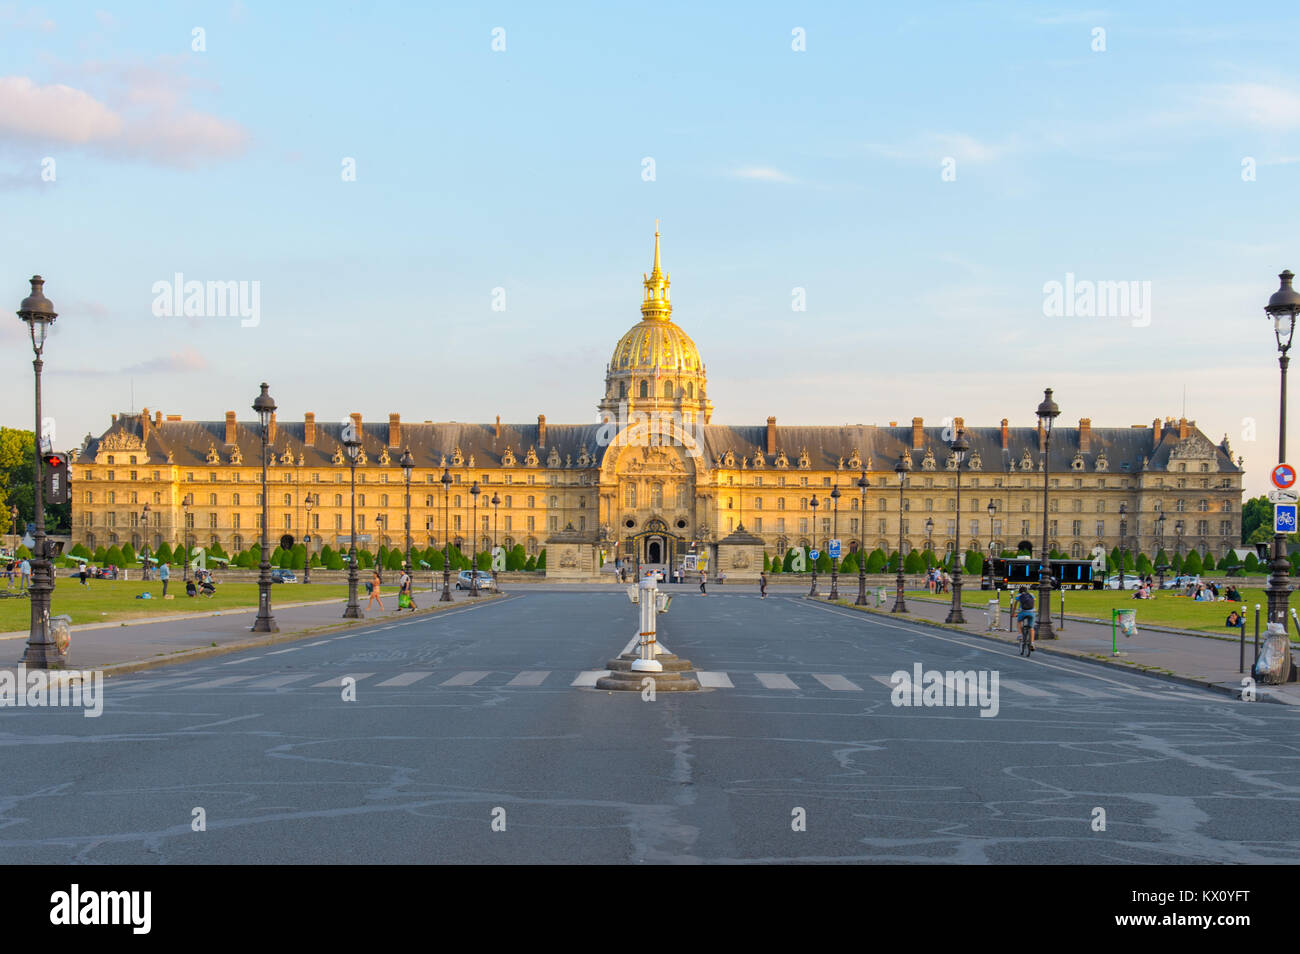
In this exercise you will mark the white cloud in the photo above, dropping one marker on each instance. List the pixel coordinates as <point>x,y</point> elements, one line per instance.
<point>25,18</point>
<point>763,174</point>
<point>1255,104</point>
<point>143,113</point>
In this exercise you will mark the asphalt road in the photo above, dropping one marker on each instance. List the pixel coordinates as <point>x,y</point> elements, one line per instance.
<point>473,715</point>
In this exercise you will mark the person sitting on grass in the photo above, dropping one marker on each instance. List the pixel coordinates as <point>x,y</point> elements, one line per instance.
<point>1233,621</point>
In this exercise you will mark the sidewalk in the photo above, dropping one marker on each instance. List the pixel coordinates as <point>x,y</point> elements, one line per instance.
<point>1199,660</point>
<point>158,641</point>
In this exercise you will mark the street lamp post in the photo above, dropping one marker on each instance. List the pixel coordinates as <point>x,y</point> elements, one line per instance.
<point>407,463</point>
<point>308,503</point>
<point>496,503</point>
<point>445,480</point>
<point>929,534</point>
<point>13,516</point>
<point>863,483</point>
<point>1283,307</point>
<point>144,542</point>
<point>473,540</point>
<point>835,535</point>
<point>901,469</point>
<point>1048,411</point>
<point>814,504</point>
<point>352,444</point>
<point>1123,530</point>
<point>38,313</point>
<point>264,407</point>
<point>959,447</point>
<point>1178,529</point>
<point>993,512</point>
<point>185,533</point>
<point>1160,536</point>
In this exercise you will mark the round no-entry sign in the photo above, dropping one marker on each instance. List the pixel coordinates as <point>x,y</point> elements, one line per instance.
<point>1283,476</point>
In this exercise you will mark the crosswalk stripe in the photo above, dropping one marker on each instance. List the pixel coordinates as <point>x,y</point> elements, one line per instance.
<point>223,681</point>
<point>406,678</point>
<point>884,681</point>
<point>465,678</point>
<point>775,680</point>
<point>1027,690</point>
<point>156,683</point>
<point>714,680</point>
<point>838,683</point>
<point>589,677</point>
<point>531,677</point>
<point>337,681</point>
<point>275,682</point>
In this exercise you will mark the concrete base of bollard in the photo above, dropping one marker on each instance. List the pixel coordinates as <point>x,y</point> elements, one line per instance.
<point>628,681</point>
<point>670,663</point>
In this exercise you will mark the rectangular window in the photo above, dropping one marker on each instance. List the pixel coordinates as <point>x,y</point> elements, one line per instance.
<point>1076,527</point>
<point>1101,528</point>
<point>758,524</point>
<point>780,524</point>
<point>532,523</point>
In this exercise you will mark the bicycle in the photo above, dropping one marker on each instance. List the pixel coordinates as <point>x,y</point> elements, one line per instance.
<point>1027,634</point>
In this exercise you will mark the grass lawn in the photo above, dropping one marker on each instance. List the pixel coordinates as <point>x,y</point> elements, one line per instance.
<point>105,600</point>
<point>1165,610</point>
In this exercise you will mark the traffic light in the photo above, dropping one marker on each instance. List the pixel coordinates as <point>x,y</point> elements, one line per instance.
<point>56,478</point>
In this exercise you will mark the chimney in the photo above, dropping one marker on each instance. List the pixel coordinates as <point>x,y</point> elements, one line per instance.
<point>270,431</point>
<point>1085,435</point>
<point>1042,437</point>
<point>1155,428</point>
<point>145,425</point>
<point>1184,428</point>
<point>498,425</point>
<point>114,418</point>
<point>771,436</point>
<point>394,430</point>
<point>1006,437</point>
<point>356,422</point>
<point>541,430</point>
<point>958,425</point>
<point>230,427</point>
<point>309,428</point>
<point>157,418</point>
<point>173,417</point>
<point>918,436</point>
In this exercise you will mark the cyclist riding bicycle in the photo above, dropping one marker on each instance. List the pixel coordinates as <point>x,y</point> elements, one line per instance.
<point>1026,602</point>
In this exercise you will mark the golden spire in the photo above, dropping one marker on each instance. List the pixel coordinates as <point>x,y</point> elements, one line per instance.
<point>656,305</point>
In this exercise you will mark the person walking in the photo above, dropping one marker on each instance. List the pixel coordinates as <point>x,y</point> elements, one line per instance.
<point>762,585</point>
<point>82,573</point>
<point>374,590</point>
<point>702,589</point>
<point>24,575</point>
<point>405,594</point>
<point>164,574</point>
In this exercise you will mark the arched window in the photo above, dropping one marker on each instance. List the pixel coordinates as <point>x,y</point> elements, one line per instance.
<point>668,389</point>
<point>657,495</point>
<point>645,389</point>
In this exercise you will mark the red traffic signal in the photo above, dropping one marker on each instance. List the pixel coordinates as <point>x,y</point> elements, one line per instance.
<point>53,460</point>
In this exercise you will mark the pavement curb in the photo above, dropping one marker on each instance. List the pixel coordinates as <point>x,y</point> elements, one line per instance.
<point>205,652</point>
<point>1111,662</point>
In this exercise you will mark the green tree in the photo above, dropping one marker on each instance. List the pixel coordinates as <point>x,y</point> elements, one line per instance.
<point>299,560</point>
<point>1161,558</point>
<point>849,564</point>
<point>787,564</point>
<point>397,559</point>
<point>767,563</point>
<point>164,553</point>
<point>776,564</point>
<point>364,560</point>
<point>484,560</point>
<point>1193,566</point>
<point>101,555</point>
<point>876,561</point>
<point>437,560</point>
<point>1251,564</point>
<point>79,551</point>
<point>518,558</point>
<point>974,563</point>
<point>1144,564</point>
<point>823,562</point>
<point>930,559</point>
<point>217,550</point>
<point>531,565</point>
<point>315,560</point>
<point>334,561</point>
<point>541,559</point>
<point>893,562</point>
<point>1209,562</point>
<point>913,563</point>
<point>128,555</point>
<point>1128,561</point>
<point>22,553</point>
<point>1256,513</point>
<point>115,556</point>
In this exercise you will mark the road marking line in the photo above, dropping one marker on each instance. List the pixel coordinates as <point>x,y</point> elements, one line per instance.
<point>714,680</point>
<point>466,678</point>
<point>320,643</point>
<point>224,681</point>
<point>275,682</point>
<point>337,681</point>
<point>532,677</point>
<point>236,662</point>
<point>406,678</point>
<point>1026,689</point>
<point>838,683</point>
<point>154,684</point>
<point>589,677</point>
<point>281,652</point>
<point>775,680</point>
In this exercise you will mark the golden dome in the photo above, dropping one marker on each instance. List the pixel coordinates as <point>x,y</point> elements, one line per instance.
<point>656,344</point>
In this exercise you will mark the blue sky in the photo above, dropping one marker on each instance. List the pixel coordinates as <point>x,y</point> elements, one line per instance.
<point>775,169</point>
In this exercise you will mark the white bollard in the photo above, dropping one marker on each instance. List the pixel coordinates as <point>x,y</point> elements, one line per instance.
<point>648,604</point>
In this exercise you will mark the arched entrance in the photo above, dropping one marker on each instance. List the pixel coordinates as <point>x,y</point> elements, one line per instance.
<point>655,545</point>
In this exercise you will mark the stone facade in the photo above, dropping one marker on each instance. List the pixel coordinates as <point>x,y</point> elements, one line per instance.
<point>655,477</point>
